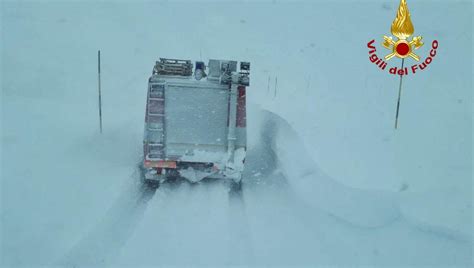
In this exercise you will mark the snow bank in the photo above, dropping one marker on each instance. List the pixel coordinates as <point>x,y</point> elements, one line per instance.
<point>431,212</point>
<point>310,183</point>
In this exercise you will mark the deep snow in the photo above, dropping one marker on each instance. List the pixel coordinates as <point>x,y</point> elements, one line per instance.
<point>375,197</point>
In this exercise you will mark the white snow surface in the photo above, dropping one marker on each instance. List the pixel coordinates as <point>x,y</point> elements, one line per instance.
<point>327,182</point>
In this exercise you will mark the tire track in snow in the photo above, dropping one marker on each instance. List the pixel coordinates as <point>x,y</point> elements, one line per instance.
<point>241,248</point>
<point>102,243</point>
<point>186,225</point>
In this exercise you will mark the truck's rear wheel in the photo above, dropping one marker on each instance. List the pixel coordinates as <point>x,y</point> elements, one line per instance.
<point>151,183</point>
<point>150,178</point>
<point>236,186</point>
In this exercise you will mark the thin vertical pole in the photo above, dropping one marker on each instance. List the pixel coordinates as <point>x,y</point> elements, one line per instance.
<point>268,85</point>
<point>100,93</point>
<point>399,95</point>
<point>275,92</point>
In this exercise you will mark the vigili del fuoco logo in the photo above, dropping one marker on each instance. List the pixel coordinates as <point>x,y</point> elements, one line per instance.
<point>402,47</point>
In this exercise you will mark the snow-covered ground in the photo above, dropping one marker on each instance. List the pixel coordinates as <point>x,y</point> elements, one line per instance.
<point>328,180</point>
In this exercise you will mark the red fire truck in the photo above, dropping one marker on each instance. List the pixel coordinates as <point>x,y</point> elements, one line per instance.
<point>195,123</point>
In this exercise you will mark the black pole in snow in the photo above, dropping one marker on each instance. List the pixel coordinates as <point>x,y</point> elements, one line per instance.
<point>268,85</point>
<point>399,94</point>
<point>275,92</point>
<point>100,94</point>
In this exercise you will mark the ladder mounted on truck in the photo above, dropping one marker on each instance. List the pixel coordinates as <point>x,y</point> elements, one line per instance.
<point>155,118</point>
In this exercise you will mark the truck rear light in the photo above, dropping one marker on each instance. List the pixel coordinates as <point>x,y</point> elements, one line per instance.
<point>147,163</point>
